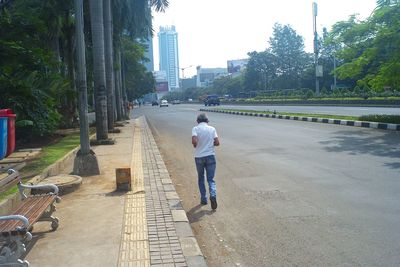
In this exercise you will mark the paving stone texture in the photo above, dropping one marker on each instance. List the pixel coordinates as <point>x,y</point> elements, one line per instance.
<point>100,226</point>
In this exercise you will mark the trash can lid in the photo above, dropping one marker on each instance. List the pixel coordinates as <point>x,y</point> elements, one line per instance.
<point>7,113</point>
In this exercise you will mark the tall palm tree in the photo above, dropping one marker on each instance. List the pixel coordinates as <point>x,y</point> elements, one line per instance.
<point>109,64</point>
<point>134,19</point>
<point>85,163</point>
<point>99,72</point>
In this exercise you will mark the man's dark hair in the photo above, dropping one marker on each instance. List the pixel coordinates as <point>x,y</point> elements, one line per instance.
<point>202,118</point>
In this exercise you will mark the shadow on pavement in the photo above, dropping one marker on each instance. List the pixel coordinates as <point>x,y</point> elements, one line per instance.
<point>196,213</point>
<point>384,144</point>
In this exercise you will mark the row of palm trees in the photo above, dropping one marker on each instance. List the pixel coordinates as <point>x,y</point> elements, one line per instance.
<point>132,18</point>
<point>51,50</point>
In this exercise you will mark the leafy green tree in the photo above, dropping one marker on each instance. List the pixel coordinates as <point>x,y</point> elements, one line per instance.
<point>138,81</point>
<point>228,85</point>
<point>290,58</point>
<point>370,49</point>
<point>30,80</point>
<point>260,72</point>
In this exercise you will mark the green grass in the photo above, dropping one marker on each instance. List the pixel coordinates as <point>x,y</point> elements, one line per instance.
<point>49,155</point>
<point>373,118</point>
<point>322,99</point>
<point>381,118</point>
<point>328,116</point>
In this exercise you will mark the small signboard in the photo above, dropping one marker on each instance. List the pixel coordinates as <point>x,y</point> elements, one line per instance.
<point>319,72</point>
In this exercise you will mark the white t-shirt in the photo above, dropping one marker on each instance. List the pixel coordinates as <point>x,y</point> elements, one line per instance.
<point>205,140</point>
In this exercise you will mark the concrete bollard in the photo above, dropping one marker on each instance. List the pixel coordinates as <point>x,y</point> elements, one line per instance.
<point>123,179</point>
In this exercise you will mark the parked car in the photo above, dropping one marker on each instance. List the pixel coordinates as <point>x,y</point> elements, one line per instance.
<point>174,102</point>
<point>164,103</point>
<point>211,100</point>
<point>154,103</point>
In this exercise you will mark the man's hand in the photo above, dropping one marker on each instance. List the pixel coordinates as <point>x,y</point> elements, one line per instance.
<point>216,141</point>
<point>194,141</point>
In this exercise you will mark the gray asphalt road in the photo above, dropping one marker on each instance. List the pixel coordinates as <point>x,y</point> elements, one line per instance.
<point>331,110</point>
<point>290,193</point>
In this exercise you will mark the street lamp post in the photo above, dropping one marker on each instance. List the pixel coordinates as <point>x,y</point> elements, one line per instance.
<point>183,74</point>
<point>183,71</point>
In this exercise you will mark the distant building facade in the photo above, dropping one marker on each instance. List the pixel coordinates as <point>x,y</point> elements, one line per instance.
<point>162,87</point>
<point>206,76</point>
<point>148,53</point>
<point>169,56</point>
<point>189,82</point>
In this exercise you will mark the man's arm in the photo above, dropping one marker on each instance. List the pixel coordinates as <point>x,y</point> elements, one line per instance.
<point>194,141</point>
<point>216,141</point>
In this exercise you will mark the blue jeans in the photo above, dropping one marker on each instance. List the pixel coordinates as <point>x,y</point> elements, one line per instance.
<point>208,164</point>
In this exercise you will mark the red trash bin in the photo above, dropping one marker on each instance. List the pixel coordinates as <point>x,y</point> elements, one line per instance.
<point>10,129</point>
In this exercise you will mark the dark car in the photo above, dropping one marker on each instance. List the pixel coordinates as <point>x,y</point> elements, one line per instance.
<point>211,100</point>
<point>154,103</point>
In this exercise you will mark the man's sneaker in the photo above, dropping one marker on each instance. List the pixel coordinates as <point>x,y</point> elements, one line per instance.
<point>203,202</point>
<point>214,204</point>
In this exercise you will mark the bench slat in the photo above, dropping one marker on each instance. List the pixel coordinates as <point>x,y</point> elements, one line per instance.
<point>32,208</point>
<point>40,208</point>
<point>23,210</point>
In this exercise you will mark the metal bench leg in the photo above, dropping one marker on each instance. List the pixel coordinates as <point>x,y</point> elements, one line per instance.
<point>11,252</point>
<point>47,217</point>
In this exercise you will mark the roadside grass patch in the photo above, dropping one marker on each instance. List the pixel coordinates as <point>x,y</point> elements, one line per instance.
<point>49,155</point>
<point>295,114</point>
<point>373,118</point>
<point>381,118</point>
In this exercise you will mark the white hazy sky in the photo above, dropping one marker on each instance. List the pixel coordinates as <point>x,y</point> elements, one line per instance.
<point>210,32</point>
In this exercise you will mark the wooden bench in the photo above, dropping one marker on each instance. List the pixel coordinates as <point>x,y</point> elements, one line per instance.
<point>15,227</point>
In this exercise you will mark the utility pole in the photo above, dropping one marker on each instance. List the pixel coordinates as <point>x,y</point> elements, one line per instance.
<point>318,69</point>
<point>334,72</point>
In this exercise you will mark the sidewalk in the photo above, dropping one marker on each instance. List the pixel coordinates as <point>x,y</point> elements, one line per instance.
<point>103,227</point>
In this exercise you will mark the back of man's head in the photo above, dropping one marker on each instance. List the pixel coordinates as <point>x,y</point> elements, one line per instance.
<point>202,117</point>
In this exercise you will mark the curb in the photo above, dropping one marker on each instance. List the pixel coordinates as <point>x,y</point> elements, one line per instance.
<point>364,124</point>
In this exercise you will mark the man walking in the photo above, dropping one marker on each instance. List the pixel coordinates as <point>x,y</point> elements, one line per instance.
<point>204,138</point>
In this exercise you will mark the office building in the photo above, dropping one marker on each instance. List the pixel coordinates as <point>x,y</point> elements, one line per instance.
<point>148,44</point>
<point>169,56</point>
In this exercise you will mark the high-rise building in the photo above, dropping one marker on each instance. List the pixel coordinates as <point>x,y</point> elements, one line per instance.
<point>148,45</point>
<point>148,53</point>
<point>169,56</point>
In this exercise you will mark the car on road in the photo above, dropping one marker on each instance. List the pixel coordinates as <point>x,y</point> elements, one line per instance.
<point>154,103</point>
<point>164,103</point>
<point>175,102</point>
<point>212,100</point>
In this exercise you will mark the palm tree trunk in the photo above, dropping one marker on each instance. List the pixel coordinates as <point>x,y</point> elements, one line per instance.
<point>118,85</point>
<point>123,89</point>
<point>99,72</point>
<point>85,163</point>
<point>109,63</point>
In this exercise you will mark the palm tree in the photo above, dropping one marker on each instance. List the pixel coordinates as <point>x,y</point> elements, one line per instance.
<point>134,19</point>
<point>109,64</point>
<point>85,162</point>
<point>99,72</point>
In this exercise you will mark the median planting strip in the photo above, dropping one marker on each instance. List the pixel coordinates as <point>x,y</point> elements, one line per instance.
<point>331,119</point>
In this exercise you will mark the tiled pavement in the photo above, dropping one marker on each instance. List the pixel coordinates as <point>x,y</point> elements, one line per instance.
<point>160,234</point>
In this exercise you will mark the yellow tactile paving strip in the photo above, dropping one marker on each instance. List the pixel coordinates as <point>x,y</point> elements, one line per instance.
<point>134,250</point>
